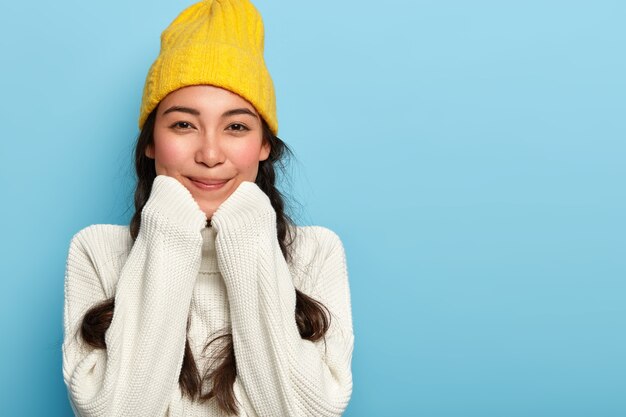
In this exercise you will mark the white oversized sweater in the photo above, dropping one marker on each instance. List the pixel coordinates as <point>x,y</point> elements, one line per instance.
<point>230,275</point>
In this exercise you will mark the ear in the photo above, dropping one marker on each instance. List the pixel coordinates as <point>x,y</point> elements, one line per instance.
<point>150,151</point>
<point>265,150</point>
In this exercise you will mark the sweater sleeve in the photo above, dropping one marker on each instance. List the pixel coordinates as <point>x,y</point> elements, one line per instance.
<point>137,374</point>
<point>281,373</point>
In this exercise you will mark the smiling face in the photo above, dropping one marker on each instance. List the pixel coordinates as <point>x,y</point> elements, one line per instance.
<point>209,139</point>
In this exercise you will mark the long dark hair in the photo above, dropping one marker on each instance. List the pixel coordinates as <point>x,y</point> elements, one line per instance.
<point>312,317</point>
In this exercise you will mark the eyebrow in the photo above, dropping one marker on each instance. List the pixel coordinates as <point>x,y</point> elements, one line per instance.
<point>195,112</point>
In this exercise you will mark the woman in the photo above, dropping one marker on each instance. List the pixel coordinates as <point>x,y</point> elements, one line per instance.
<point>212,302</point>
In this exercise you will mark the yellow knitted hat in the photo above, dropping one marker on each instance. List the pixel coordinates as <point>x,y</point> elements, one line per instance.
<point>216,42</point>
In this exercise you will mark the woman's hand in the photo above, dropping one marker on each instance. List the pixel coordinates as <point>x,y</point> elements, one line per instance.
<point>171,204</point>
<point>247,205</point>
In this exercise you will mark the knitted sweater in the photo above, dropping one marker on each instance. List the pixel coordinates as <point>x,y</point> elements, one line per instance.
<point>229,275</point>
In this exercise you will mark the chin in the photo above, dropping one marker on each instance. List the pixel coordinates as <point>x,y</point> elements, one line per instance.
<point>209,208</point>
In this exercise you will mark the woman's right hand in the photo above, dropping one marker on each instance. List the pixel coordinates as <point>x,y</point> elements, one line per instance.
<point>172,205</point>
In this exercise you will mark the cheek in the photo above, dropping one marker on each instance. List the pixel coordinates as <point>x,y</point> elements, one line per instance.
<point>246,157</point>
<point>168,153</point>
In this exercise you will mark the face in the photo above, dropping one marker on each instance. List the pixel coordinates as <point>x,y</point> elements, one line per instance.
<point>209,139</point>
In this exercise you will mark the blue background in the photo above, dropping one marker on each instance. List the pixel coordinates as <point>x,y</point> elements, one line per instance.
<point>469,154</point>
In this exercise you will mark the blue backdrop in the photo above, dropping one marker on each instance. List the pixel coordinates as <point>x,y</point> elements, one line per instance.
<point>469,154</point>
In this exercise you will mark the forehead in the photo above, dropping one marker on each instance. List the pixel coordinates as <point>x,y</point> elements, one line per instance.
<point>206,97</point>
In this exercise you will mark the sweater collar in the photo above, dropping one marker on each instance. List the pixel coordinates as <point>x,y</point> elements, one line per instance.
<point>209,256</point>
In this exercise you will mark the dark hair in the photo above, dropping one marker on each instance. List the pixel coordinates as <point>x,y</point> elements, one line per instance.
<point>312,317</point>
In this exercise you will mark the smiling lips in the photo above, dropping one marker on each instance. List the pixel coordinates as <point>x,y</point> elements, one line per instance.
<point>208,184</point>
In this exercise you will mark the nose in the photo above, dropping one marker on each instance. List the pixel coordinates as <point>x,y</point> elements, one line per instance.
<point>210,150</point>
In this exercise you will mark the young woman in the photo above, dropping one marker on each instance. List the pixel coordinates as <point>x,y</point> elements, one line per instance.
<point>212,302</point>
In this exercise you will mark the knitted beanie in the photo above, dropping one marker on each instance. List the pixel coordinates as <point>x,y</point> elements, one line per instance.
<point>215,42</point>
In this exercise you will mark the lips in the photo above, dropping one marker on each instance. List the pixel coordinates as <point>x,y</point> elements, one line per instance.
<point>207,181</point>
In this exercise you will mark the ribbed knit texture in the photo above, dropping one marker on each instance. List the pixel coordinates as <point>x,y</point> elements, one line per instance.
<point>230,276</point>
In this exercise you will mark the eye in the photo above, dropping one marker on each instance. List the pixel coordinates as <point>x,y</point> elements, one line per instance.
<point>238,127</point>
<point>181,125</point>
